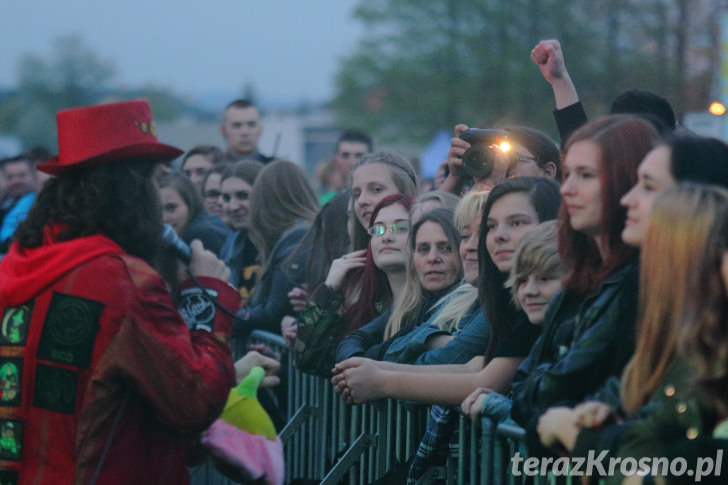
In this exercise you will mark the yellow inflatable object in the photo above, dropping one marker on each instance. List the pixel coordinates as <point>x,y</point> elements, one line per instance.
<point>243,410</point>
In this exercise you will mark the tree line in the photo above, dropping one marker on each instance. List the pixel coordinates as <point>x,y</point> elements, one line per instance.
<point>425,66</point>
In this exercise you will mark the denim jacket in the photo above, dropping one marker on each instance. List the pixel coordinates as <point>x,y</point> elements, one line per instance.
<point>470,340</point>
<point>269,302</point>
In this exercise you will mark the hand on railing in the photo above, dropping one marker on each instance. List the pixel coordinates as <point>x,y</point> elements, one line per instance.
<point>358,380</point>
<point>559,426</point>
<point>473,404</point>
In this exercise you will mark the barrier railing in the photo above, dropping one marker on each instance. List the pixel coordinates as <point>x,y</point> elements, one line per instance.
<point>330,442</point>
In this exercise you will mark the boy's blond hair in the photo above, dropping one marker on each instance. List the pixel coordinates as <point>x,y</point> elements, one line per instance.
<point>537,252</point>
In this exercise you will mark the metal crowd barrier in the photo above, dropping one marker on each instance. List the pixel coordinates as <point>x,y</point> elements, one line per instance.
<point>329,442</point>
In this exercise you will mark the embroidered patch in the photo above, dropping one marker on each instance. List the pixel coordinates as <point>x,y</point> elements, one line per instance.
<point>55,389</point>
<point>69,330</point>
<point>15,323</point>
<point>10,380</point>
<point>11,439</point>
<point>8,477</point>
<point>197,308</point>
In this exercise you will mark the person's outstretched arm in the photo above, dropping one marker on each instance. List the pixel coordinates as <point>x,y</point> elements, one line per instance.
<point>549,58</point>
<point>569,113</point>
<point>362,380</point>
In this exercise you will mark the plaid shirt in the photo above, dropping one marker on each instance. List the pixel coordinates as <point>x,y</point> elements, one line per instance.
<point>435,446</point>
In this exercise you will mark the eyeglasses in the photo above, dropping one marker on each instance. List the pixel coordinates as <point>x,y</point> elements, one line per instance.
<point>378,228</point>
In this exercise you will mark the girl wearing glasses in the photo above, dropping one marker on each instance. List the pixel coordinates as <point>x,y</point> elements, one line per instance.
<point>513,208</point>
<point>359,287</point>
<point>211,195</point>
<point>433,269</point>
<point>456,331</point>
<point>373,177</point>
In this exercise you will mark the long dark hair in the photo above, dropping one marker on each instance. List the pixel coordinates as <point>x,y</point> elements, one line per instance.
<point>189,194</point>
<point>118,200</point>
<point>495,299</point>
<point>329,238</point>
<point>698,159</point>
<point>281,196</point>
<point>623,141</point>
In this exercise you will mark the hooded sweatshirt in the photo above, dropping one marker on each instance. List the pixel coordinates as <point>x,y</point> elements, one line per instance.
<point>100,379</point>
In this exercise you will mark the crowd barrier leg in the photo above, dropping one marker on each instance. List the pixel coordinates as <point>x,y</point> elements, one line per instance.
<point>330,442</point>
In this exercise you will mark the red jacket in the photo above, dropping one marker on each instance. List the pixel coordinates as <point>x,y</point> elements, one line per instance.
<point>94,355</point>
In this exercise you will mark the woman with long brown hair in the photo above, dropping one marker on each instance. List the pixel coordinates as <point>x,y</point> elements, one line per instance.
<point>588,334</point>
<point>681,339</point>
<point>282,206</point>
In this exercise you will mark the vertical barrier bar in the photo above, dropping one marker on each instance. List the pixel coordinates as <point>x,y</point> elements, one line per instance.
<point>355,427</point>
<point>474,447</point>
<point>390,429</point>
<point>490,459</point>
<point>375,438</point>
<point>461,455</point>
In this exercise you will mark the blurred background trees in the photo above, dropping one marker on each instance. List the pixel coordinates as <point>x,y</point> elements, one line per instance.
<point>72,75</point>
<point>425,66</point>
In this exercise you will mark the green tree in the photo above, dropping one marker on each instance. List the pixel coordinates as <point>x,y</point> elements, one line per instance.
<point>424,66</point>
<point>73,75</point>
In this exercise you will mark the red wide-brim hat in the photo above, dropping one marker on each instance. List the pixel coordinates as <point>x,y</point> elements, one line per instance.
<point>106,133</point>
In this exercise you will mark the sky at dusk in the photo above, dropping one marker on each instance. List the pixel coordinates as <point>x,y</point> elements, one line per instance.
<point>287,49</point>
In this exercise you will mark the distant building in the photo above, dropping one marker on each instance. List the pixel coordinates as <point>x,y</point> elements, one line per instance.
<point>303,138</point>
<point>9,146</point>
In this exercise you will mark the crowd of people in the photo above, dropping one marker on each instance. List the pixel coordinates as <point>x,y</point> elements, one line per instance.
<point>578,289</point>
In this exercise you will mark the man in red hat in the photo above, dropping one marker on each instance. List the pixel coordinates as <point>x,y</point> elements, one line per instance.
<point>101,379</point>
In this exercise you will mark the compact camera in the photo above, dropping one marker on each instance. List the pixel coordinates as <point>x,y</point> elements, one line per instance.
<point>478,160</point>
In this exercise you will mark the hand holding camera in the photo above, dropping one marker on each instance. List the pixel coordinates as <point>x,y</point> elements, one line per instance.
<point>480,154</point>
<point>458,146</point>
<point>480,160</point>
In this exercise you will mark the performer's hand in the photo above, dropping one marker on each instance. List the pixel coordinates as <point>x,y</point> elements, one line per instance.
<point>205,263</point>
<point>252,358</point>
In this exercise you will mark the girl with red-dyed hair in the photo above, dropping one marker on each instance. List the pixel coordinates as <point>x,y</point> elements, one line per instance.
<point>589,331</point>
<point>359,286</point>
